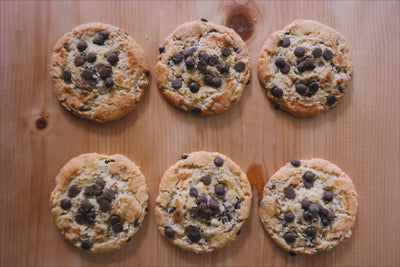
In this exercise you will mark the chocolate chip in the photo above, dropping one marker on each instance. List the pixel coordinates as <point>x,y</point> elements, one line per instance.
<point>220,190</point>
<point>161,49</point>
<point>85,207</point>
<point>311,231</point>
<point>313,87</point>
<point>206,179</point>
<point>288,216</point>
<point>188,51</point>
<point>226,51</point>
<point>117,228</point>
<point>328,55</point>
<point>325,221</point>
<point>289,192</point>
<point>112,58</point>
<point>73,191</point>
<point>323,212</point>
<point>203,56</point>
<point>105,34</point>
<point>204,20</point>
<point>65,204</point>
<point>331,100</point>
<point>66,46</point>
<point>91,57</point>
<point>313,209</point>
<point>331,216</point>
<point>80,218</point>
<point>104,204</point>
<point>190,62</point>
<point>216,82</point>
<point>169,232</point>
<point>213,204</point>
<point>90,217</point>
<point>285,69</point>
<point>115,219</point>
<point>109,194</point>
<point>184,156</point>
<point>109,82</point>
<point>240,66</point>
<point>93,189</point>
<point>88,76</point>
<point>196,110</point>
<point>202,65</point>
<point>223,68</point>
<point>285,42</point>
<point>317,52</point>
<point>194,87</point>
<point>67,76</point>
<point>212,60</point>
<point>305,204</point>
<point>289,237</point>
<point>193,192</point>
<point>177,57</point>
<point>301,88</point>
<point>105,71</point>
<point>193,233</point>
<point>327,196</point>
<point>218,161</point>
<point>82,45</point>
<point>177,83</point>
<point>308,179</point>
<point>276,91</point>
<point>101,183</point>
<point>307,215</point>
<point>201,199</point>
<point>86,245</point>
<point>292,253</point>
<point>295,162</point>
<point>307,64</point>
<point>79,60</point>
<point>280,62</point>
<point>99,39</point>
<point>299,51</point>
<point>340,87</point>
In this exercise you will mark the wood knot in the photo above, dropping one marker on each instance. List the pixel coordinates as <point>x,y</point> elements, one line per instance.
<point>41,123</point>
<point>239,17</point>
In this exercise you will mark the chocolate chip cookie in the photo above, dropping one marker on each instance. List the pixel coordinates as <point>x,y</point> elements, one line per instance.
<point>99,201</point>
<point>203,201</point>
<point>309,206</point>
<point>305,68</point>
<point>99,72</point>
<point>203,67</point>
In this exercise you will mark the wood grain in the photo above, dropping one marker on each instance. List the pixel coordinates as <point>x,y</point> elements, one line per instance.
<point>361,135</point>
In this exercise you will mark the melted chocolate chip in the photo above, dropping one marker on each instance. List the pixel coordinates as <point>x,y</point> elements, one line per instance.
<point>307,64</point>
<point>88,76</point>
<point>86,245</point>
<point>218,161</point>
<point>101,183</point>
<point>161,49</point>
<point>328,55</point>
<point>85,207</point>
<point>193,192</point>
<point>288,216</point>
<point>317,52</point>
<point>226,51</point>
<point>295,162</point>
<point>73,191</point>
<point>220,190</point>
<point>208,79</point>
<point>194,87</point>
<point>117,228</point>
<point>82,45</point>
<point>301,88</point>
<point>188,51</point>
<point>201,199</point>
<point>65,204</point>
<point>285,42</point>
<point>289,237</point>
<point>193,233</point>
<point>115,219</point>
<point>213,204</point>
<point>104,203</point>
<point>276,91</point>
<point>112,58</point>
<point>203,56</point>
<point>206,179</point>
<point>299,51</point>
<point>286,68</point>
<point>109,194</point>
<point>212,60</point>
<point>190,62</point>
<point>289,192</point>
<point>169,232</point>
<point>93,189</point>
<point>177,83</point>
<point>67,76</point>
<point>99,39</point>
<point>240,66</point>
<point>79,60</point>
<point>105,71</point>
<point>202,65</point>
<point>305,204</point>
<point>311,231</point>
<point>91,57</point>
<point>331,100</point>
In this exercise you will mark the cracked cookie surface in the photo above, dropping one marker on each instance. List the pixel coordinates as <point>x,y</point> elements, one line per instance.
<point>203,67</point>
<point>99,201</point>
<point>305,68</point>
<point>203,201</point>
<point>309,206</point>
<point>99,72</point>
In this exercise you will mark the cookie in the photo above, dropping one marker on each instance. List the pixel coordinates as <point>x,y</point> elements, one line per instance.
<point>203,202</point>
<point>309,206</point>
<point>99,72</point>
<point>203,67</point>
<point>99,201</point>
<point>305,68</point>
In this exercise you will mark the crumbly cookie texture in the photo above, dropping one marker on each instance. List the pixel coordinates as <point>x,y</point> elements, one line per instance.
<point>305,68</point>
<point>309,206</point>
<point>203,201</point>
<point>99,72</point>
<point>99,201</point>
<point>203,67</point>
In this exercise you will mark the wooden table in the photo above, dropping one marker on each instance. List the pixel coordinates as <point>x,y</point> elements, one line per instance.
<point>361,135</point>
